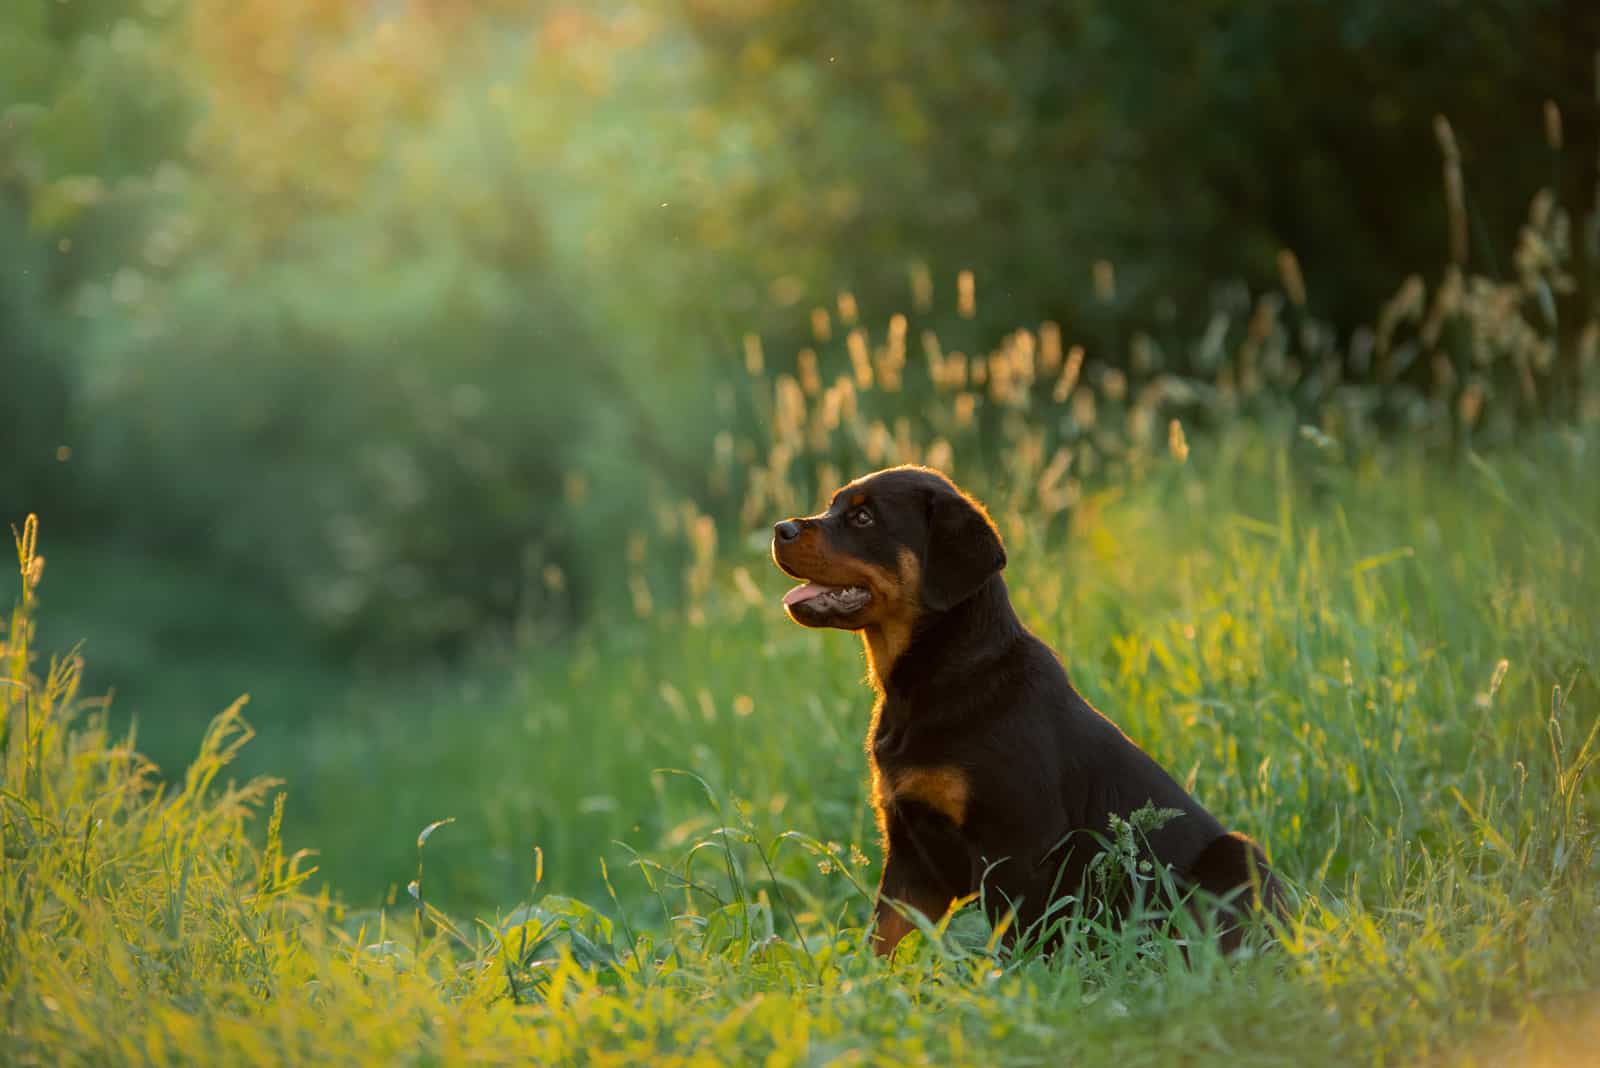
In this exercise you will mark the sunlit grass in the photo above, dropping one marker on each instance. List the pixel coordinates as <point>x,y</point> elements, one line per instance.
<point>1381,670</point>
<point>651,842</point>
<point>1344,584</point>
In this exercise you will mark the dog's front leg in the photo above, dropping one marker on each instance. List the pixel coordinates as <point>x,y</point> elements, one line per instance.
<point>926,867</point>
<point>898,895</point>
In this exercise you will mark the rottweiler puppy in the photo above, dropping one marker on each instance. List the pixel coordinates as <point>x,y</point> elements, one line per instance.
<point>989,771</point>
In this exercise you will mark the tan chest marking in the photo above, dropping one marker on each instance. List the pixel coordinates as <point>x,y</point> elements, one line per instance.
<point>944,789</point>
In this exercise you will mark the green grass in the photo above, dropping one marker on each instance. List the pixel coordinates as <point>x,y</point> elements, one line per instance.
<point>175,642</point>
<point>1381,668</point>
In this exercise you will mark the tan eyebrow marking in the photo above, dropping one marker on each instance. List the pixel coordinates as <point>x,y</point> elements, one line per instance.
<point>858,500</point>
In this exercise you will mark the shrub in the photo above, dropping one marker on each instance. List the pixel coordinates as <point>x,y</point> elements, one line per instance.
<point>362,373</point>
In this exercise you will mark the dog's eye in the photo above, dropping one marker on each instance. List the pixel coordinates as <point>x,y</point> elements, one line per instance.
<point>859,517</point>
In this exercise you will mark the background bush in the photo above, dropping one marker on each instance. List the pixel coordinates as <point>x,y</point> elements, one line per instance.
<point>1186,146</point>
<point>415,313</point>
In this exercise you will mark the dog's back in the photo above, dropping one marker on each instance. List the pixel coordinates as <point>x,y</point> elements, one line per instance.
<point>1067,771</point>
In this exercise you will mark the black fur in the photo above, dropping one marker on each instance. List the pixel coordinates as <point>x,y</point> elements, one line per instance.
<point>973,690</point>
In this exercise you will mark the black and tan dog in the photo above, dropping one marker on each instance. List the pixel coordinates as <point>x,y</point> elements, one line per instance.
<point>989,771</point>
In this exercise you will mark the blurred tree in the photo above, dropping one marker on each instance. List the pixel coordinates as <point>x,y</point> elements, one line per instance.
<point>1187,143</point>
<point>360,362</point>
<point>411,306</point>
<point>87,116</point>
<point>33,382</point>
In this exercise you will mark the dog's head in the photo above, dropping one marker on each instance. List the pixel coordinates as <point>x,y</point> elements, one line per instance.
<point>890,547</point>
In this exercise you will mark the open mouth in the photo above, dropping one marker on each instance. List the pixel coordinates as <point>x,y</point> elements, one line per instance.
<point>816,599</point>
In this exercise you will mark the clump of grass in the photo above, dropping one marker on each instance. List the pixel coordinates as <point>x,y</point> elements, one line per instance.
<point>1394,699</point>
<point>116,890</point>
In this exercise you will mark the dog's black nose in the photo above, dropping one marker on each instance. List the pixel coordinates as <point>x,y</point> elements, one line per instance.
<point>788,530</point>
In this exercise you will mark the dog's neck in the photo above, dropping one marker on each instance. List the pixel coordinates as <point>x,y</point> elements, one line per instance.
<point>885,644</point>
<point>939,648</point>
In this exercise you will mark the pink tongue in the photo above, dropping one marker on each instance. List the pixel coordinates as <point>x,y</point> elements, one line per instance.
<point>804,593</point>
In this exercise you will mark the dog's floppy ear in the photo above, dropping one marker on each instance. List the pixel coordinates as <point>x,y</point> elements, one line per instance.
<point>963,549</point>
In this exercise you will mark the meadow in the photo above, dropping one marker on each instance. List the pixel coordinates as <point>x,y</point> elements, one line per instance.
<point>406,393</point>
<point>652,845</point>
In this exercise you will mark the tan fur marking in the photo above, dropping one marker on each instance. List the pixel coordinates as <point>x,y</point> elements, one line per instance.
<point>943,789</point>
<point>888,618</point>
<point>888,929</point>
<point>890,924</point>
<point>809,556</point>
<point>889,632</point>
<point>858,500</point>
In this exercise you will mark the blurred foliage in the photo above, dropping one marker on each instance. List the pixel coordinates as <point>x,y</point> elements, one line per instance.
<point>1187,145</point>
<point>1034,420</point>
<point>370,326</point>
<point>85,116</point>
<point>423,311</point>
<point>33,404</point>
